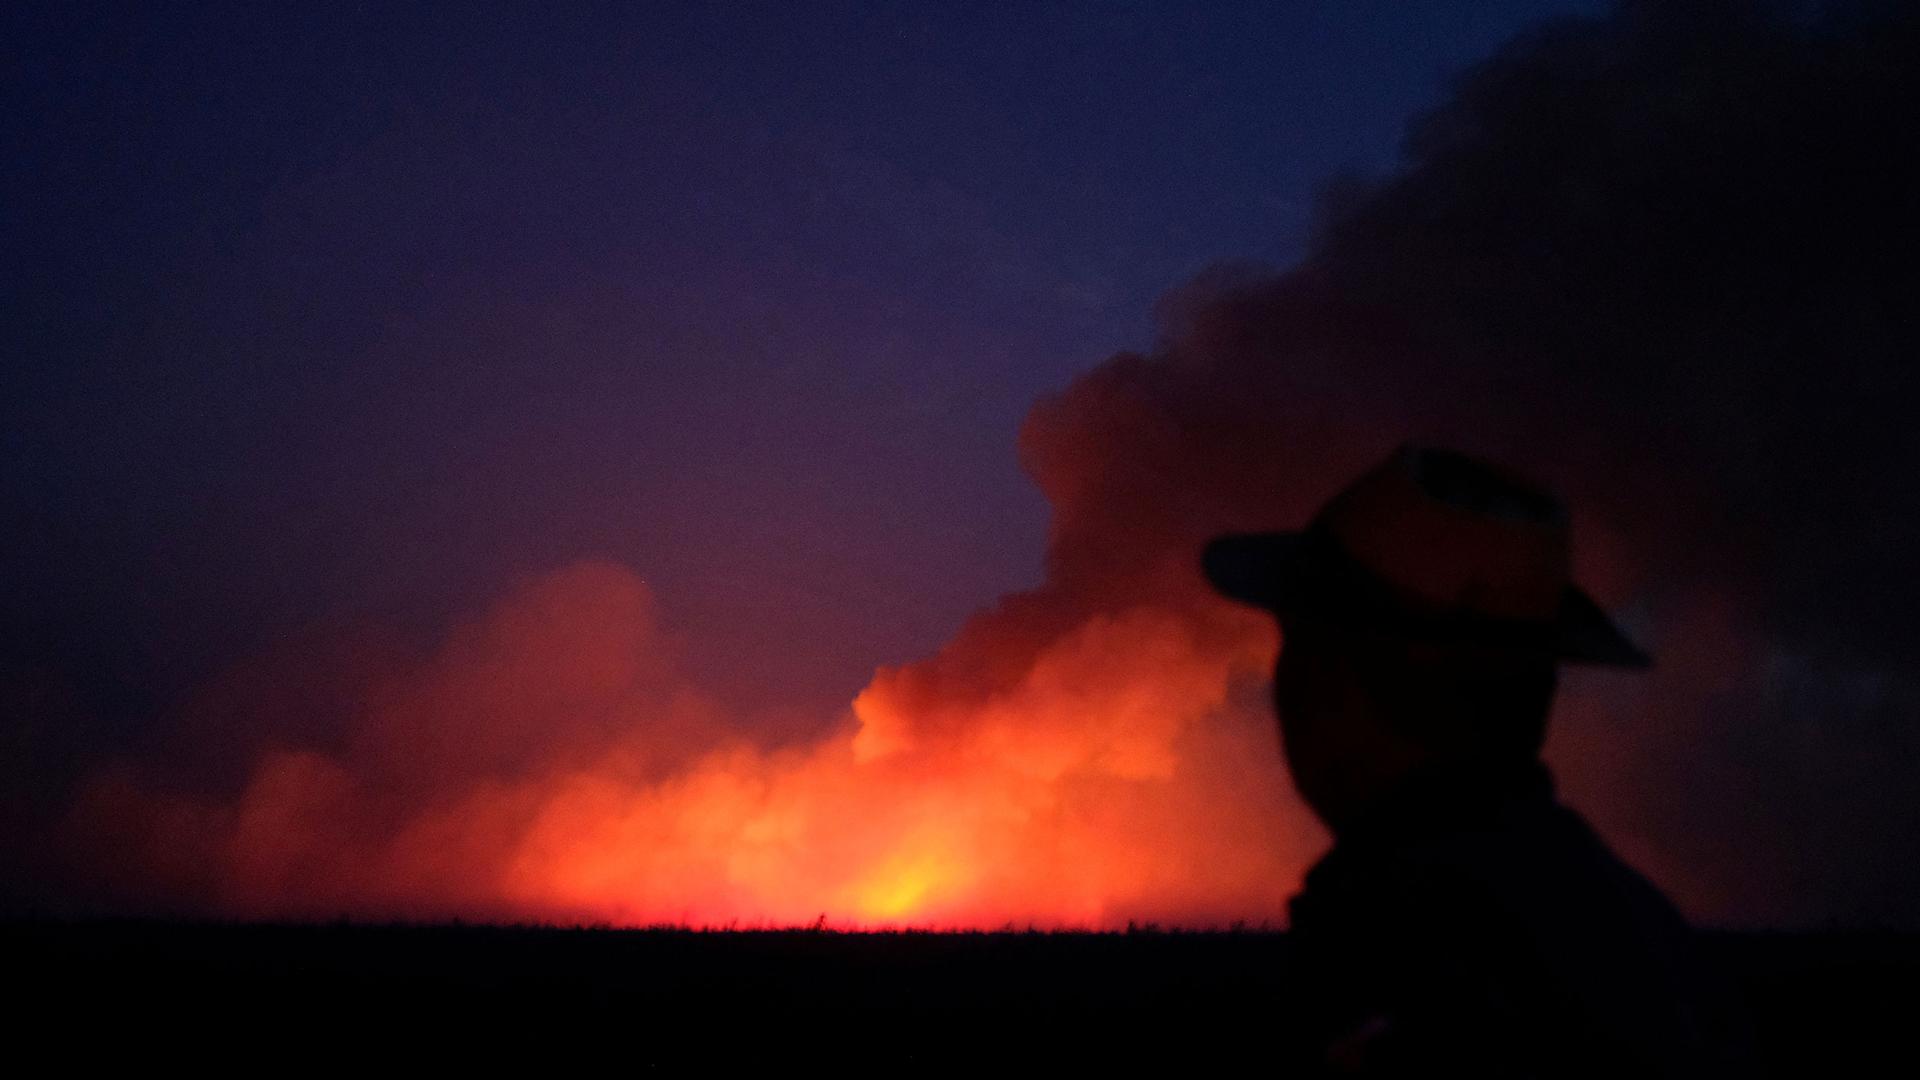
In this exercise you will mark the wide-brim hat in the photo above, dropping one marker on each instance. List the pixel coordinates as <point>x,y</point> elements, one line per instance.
<point>1431,545</point>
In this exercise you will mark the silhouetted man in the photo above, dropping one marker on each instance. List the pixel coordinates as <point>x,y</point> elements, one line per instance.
<point>1465,919</point>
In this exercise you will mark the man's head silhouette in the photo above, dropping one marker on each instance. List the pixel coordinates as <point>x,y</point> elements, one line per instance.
<point>1423,611</point>
<point>1466,921</point>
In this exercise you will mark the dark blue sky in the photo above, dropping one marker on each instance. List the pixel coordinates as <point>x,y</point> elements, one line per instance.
<point>314,315</point>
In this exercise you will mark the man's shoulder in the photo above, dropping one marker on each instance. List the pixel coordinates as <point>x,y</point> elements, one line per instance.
<point>1531,936</point>
<point>1540,879</point>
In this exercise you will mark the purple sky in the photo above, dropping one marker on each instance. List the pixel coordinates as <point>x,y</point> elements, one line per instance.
<point>336,315</point>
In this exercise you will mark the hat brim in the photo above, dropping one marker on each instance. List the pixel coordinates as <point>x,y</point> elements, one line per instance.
<point>1289,573</point>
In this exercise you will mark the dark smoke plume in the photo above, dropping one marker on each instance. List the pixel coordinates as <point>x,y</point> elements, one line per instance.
<point>1663,259</point>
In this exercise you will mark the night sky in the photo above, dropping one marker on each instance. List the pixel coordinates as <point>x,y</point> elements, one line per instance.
<point>362,311</point>
<point>341,326</point>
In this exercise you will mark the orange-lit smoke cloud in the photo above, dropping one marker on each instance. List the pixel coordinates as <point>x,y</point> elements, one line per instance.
<point>545,762</point>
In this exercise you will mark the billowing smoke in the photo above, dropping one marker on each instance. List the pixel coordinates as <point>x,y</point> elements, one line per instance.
<point>1659,259</point>
<point>544,762</point>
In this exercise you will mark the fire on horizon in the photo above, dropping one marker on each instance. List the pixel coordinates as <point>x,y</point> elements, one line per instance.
<point>1108,784</point>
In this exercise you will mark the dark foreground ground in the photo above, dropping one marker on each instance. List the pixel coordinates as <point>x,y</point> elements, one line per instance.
<point>272,998</point>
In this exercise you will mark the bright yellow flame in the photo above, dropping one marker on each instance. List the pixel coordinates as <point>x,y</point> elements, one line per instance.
<point>904,885</point>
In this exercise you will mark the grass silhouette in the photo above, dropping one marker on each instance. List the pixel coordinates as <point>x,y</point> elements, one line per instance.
<point>903,994</point>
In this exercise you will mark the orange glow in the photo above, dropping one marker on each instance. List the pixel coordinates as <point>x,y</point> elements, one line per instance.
<point>545,763</point>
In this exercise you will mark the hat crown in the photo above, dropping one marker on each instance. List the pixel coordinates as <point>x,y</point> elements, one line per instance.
<point>1456,533</point>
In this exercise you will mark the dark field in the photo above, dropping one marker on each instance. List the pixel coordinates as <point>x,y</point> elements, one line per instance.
<point>1822,1004</point>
